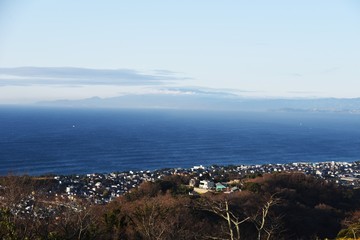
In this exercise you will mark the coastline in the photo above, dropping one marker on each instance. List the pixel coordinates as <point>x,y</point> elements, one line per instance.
<point>92,186</point>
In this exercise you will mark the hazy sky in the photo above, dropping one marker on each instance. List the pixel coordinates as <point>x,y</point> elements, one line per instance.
<point>107,48</point>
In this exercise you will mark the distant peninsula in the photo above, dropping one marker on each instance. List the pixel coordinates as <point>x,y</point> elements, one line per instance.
<point>205,101</point>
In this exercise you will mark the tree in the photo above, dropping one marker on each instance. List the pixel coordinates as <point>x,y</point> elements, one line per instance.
<point>15,189</point>
<point>160,217</point>
<point>7,226</point>
<point>223,206</point>
<point>262,220</point>
<point>352,226</point>
<point>76,221</point>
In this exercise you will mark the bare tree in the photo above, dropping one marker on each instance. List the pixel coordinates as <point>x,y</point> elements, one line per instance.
<point>261,218</point>
<point>221,208</point>
<point>147,219</point>
<point>75,221</point>
<point>352,224</point>
<point>17,193</point>
<point>14,189</point>
<point>160,217</point>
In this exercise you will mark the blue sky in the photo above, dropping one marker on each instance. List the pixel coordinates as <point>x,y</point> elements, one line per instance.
<point>250,48</point>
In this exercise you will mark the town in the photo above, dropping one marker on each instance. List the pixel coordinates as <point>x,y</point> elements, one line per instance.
<point>102,188</point>
<point>98,200</point>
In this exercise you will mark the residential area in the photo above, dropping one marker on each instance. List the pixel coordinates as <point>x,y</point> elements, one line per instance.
<point>102,188</point>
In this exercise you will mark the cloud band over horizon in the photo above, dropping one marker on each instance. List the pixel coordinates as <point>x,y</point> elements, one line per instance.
<point>24,76</point>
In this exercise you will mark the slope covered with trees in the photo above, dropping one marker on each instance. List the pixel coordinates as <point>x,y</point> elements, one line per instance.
<point>273,206</point>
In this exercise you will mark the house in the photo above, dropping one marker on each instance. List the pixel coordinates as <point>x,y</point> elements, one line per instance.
<point>206,184</point>
<point>220,187</point>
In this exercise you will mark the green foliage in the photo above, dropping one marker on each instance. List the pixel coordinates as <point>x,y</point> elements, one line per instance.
<point>106,193</point>
<point>7,226</point>
<point>116,223</point>
<point>174,185</point>
<point>348,233</point>
<point>253,175</point>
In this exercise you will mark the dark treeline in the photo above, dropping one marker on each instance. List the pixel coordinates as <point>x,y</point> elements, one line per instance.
<point>273,206</point>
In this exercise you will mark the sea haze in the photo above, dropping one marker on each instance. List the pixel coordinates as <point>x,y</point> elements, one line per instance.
<point>39,141</point>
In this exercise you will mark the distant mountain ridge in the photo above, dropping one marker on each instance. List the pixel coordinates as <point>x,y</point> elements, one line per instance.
<point>213,102</point>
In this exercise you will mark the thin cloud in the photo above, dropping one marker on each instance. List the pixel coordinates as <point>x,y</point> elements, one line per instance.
<point>81,76</point>
<point>220,92</point>
<point>300,92</point>
<point>199,91</point>
<point>165,72</point>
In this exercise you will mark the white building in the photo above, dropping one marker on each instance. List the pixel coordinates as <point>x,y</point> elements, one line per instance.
<point>205,184</point>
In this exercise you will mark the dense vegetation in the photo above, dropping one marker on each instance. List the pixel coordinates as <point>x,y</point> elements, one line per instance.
<point>273,206</point>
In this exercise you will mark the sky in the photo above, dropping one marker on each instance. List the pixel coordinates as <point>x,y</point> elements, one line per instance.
<point>80,49</point>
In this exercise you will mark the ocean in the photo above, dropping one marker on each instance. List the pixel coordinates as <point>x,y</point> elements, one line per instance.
<point>39,141</point>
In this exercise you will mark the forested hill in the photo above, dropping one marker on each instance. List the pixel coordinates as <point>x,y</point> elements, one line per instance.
<point>270,206</point>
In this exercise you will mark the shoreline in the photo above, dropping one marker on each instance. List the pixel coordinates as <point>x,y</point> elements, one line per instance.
<point>102,188</point>
<point>248,166</point>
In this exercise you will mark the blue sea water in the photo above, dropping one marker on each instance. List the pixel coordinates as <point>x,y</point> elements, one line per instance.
<point>39,141</point>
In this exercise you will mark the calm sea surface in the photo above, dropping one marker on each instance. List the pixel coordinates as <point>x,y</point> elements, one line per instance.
<point>64,141</point>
